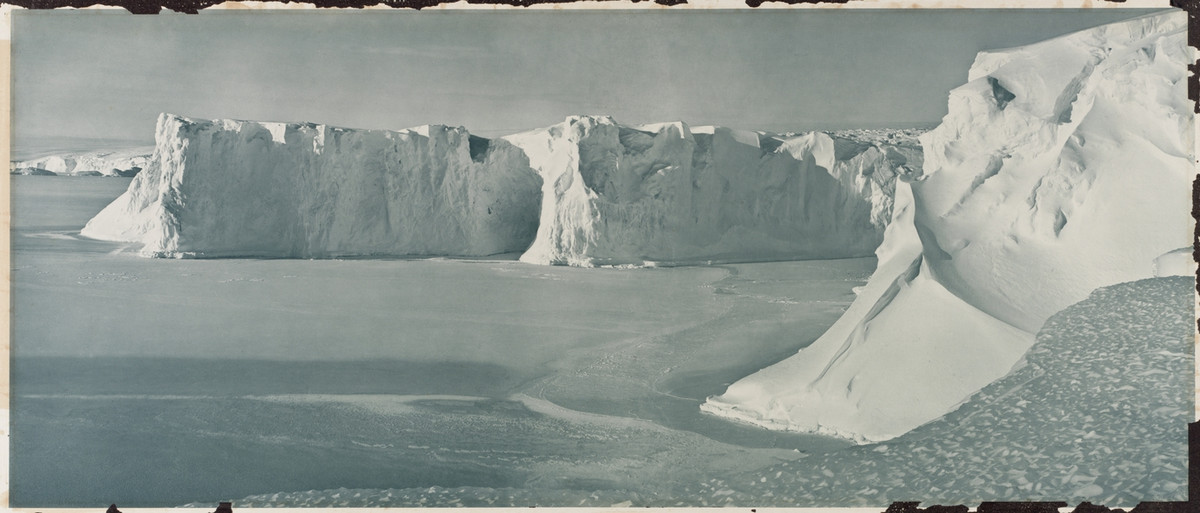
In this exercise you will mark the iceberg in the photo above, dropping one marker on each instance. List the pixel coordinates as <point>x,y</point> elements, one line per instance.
<point>238,188</point>
<point>619,195</point>
<point>1061,167</point>
<point>32,171</point>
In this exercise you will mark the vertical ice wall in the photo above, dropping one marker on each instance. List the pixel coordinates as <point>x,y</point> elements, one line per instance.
<point>236,188</point>
<point>615,194</point>
<point>610,194</point>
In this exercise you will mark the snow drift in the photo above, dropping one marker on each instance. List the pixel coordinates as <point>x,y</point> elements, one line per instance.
<point>239,188</point>
<point>1061,167</point>
<point>126,162</point>
<point>615,194</point>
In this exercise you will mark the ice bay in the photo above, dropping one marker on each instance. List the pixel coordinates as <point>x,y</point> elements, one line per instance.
<point>253,359</point>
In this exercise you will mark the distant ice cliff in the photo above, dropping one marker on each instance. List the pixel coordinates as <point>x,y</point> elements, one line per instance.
<point>585,192</point>
<point>616,194</point>
<point>127,162</point>
<point>238,188</point>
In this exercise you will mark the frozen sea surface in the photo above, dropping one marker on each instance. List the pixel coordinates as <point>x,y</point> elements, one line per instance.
<point>490,382</point>
<point>192,380</point>
<point>1098,412</point>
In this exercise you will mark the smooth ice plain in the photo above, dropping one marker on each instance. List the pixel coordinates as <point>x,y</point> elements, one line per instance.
<point>236,375</point>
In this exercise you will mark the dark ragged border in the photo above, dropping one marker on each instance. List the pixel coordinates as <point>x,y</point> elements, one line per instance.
<point>1191,6</point>
<point>194,6</point>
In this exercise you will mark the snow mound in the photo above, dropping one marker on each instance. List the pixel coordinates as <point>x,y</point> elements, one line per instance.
<point>239,188</point>
<point>125,162</point>
<point>1181,262</point>
<point>618,195</point>
<point>1098,412</point>
<point>1061,167</point>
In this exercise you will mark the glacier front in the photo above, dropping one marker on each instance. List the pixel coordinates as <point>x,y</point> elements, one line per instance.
<point>616,194</point>
<point>238,188</point>
<point>584,192</point>
<point>1061,167</point>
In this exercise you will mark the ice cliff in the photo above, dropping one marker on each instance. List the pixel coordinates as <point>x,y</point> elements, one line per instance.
<point>127,162</point>
<point>239,188</point>
<point>1061,167</point>
<point>607,193</point>
<point>615,194</point>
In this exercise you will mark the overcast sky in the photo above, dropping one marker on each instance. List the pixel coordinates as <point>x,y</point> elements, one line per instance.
<point>109,74</point>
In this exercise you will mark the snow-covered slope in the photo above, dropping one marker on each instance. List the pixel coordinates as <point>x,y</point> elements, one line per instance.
<point>615,194</point>
<point>1061,167</point>
<point>237,188</point>
<point>125,162</point>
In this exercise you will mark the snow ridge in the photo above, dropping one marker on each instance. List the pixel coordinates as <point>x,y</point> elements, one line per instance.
<point>1060,168</point>
<point>239,188</point>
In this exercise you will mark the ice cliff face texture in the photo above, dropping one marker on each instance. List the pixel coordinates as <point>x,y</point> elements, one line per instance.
<point>1061,167</point>
<point>98,163</point>
<point>234,188</point>
<point>616,194</point>
<point>607,194</point>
